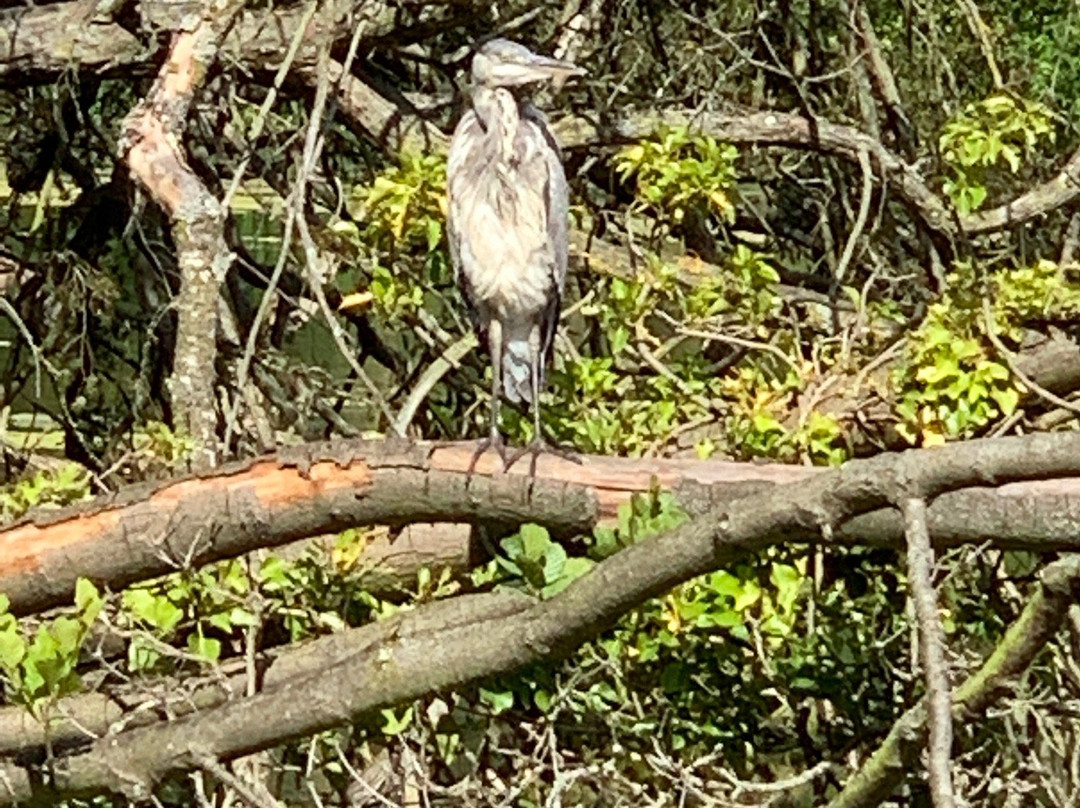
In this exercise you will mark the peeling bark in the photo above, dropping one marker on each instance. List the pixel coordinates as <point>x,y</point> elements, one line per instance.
<point>475,639</point>
<point>153,132</point>
<point>149,530</point>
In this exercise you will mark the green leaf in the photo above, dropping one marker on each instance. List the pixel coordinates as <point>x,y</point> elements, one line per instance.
<point>156,610</point>
<point>1006,398</point>
<point>88,601</point>
<point>141,655</point>
<point>498,700</point>
<point>392,725</point>
<point>12,648</point>
<point>573,569</point>
<point>204,647</point>
<point>535,541</point>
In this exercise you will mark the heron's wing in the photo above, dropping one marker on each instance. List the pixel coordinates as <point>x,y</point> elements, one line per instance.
<point>557,204</point>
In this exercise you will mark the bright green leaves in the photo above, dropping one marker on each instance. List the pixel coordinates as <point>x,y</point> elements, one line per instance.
<point>67,484</point>
<point>402,213</point>
<point>392,724</point>
<point>725,600</point>
<point>539,562</point>
<point>606,404</point>
<point>40,667</point>
<point>189,607</point>
<point>952,383</point>
<point>156,611</point>
<point>406,203</point>
<point>949,385</point>
<point>1041,292</point>
<point>1000,130</point>
<point>394,295</point>
<point>643,516</point>
<point>677,171</point>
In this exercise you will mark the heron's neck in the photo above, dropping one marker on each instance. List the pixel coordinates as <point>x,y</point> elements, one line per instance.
<point>498,111</point>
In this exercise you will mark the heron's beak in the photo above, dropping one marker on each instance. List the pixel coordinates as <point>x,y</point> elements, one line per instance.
<point>557,70</point>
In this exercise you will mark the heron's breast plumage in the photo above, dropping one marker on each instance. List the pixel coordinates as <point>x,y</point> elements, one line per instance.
<point>500,212</point>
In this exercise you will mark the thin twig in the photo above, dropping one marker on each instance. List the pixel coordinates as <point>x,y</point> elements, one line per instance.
<point>336,331</point>
<point>268,102</point>
<point>293,206</point>
<point>742,343</point>
<point>1014,366</point>
<point>242,789</point>
<point>861,217</point>
<point>981,32</point>
<point>778,786</point>
<point>449,359</point>
<point>21,327</point>
<point>920,562</point>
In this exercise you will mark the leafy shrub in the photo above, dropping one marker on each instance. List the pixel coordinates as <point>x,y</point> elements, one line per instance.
<point>676,171</point>
<point>951,383</point>
<point>68,484</point>
<point>1000,129</point>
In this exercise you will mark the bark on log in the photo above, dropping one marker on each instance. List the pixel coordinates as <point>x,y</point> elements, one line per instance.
<point>39,43</point>
<point>146,531</point>
<point>482,637</point>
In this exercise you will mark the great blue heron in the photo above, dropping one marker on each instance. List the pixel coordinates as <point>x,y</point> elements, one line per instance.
<point>508,224</point>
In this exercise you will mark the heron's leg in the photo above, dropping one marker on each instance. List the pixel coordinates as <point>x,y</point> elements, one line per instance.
<point>537,362</point>
<point>494,439</point>
<point>495,348</point>
<point>539,442</point>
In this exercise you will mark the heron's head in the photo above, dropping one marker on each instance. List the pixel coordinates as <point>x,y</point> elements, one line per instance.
<point>502,63</point>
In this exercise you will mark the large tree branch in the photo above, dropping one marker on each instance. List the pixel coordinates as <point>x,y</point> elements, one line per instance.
<point>78,719</point>
<point>39,43</point>
<point>475,644</point>
<point>149,530</point>
<point>153,134</point>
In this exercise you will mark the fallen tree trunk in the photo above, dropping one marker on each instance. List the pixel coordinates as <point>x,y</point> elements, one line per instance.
<point>447,644</point>
<point>149,530</point>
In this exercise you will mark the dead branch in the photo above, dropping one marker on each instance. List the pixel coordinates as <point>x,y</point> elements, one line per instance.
<point>920,563</point>
<point>470,642</point>
<point>884,83</point>
<point>1042,617</point>
<point>153,133</point>
<point>39,43</point>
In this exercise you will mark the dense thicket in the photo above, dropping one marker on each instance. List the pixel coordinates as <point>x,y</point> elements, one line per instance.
<point>802,231</point>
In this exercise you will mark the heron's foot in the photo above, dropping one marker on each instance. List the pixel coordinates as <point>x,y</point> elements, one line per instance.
<point>541,445</point>
<point>493,441</point>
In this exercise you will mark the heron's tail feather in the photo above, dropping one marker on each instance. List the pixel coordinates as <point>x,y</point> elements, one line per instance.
<point>517,372</point>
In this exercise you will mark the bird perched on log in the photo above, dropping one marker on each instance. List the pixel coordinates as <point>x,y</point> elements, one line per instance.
<point>507,224</point>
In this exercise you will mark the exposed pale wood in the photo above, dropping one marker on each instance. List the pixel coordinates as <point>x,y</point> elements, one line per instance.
<point>149,530</point>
